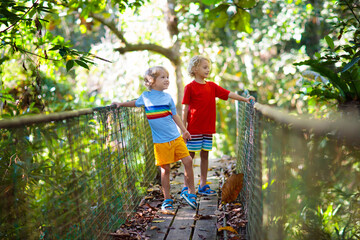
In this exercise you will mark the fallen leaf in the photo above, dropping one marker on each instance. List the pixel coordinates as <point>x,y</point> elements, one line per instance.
<point>154,227</point>
<point>175,182</point>
<point>167,212</point>
<point>158,221</point>
<point>206,182</point>
<point>228,228</point>
<point>231,188</point>
<point>149,206</point>
<point>201,237</point>
<point>199,217</point>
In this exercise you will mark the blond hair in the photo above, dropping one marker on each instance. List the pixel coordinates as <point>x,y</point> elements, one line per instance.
<point>195,62</point>
<point>151,74</point>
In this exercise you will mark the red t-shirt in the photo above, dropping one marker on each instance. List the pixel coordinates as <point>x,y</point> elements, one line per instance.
<point>201,117</point>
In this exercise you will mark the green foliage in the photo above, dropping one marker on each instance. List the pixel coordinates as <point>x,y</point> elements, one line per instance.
<point>234,13</point>
<point>24,31</point>
<point>339,63</point>
<point>34,50</point>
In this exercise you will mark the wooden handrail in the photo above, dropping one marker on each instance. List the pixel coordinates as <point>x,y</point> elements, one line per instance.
<point>348,128</point>
<point>39,118</point>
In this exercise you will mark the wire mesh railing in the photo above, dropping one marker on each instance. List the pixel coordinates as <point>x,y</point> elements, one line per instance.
<point>301,176</point>
<point>73,175</point>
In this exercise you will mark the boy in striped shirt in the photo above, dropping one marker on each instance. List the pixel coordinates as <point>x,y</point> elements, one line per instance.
<point>169,146</point>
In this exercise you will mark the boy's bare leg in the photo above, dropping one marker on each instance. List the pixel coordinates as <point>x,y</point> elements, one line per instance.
<point>189,174</point>
<point>192,155</point>
<point>165,180</point>
<point>204,166</point>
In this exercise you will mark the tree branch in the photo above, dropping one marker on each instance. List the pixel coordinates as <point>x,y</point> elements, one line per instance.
<point>167,52</point>
<point>13,25</point>
<point>110,24</point>
<point>351,9</point>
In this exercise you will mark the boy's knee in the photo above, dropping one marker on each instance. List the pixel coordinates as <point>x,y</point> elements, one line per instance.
<point>187,161</point>
<point>165,169</point>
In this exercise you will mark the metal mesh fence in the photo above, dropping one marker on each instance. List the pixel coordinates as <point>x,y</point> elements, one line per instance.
<point>299,182</point>
<point>248,163</point>
<point>77,177</point>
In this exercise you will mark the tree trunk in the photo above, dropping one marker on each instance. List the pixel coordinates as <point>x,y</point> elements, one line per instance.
<point>172,53</point>
<point>172,26</point>
<point>180,88</point>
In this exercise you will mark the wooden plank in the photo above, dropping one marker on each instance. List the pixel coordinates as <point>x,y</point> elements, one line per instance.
<point>159,226</point>
<point>205,226</point>
<point>183,224</point>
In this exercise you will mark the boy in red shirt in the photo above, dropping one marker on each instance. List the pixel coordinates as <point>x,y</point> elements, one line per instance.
<point>199,114</point>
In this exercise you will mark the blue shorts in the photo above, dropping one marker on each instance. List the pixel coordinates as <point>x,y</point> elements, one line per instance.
<point>200,142</point>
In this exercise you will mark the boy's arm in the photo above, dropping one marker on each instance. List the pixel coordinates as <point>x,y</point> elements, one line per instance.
<point>185,114</point>
<point>124,104</point>
<point>240,98</point>
<point>186,134</point>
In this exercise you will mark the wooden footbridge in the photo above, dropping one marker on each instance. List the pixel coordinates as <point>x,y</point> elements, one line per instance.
<point>81,174</point>
<point>188,223</point>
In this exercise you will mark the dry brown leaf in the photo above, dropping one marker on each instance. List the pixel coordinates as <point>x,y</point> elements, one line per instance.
<point>232,188</point>
<point>150,207</point>
<point>199,217</point>
<point>154,227</point>
<point>168,212</point>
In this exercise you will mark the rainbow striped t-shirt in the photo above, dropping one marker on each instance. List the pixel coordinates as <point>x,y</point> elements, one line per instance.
<point>159,109</point>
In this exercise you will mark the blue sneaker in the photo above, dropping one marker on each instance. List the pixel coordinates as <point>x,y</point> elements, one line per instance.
<point>189,198</point>
<point>184,190</point>
<point>167,205</point>
<point>206,190</point>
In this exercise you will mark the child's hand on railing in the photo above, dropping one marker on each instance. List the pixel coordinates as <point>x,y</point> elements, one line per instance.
<point>115,104</point>
<point>251,100</point>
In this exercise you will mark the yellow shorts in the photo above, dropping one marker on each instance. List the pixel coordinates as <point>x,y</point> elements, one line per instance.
<point>169,152</point>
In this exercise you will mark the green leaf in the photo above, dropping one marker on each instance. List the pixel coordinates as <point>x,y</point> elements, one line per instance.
<point>246,3</point>
<point>69,65</point>
<point>241,21</point>
<point>323,70</point>
<point>216,12</point>
<point>221,21</point>
<point>210,2</point>
<point>82,64</point>
<point>350,64</point>
<point>330,42</point>
<point>63,52</point>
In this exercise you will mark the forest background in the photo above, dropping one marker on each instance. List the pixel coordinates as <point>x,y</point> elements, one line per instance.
<point>300,56</point>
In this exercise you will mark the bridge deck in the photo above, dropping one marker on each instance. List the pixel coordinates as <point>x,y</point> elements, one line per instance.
<point>188,223</point>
